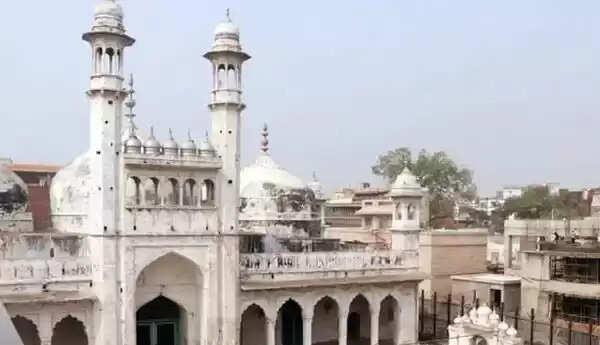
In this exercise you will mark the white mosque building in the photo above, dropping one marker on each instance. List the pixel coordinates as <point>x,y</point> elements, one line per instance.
<point>145,247</point>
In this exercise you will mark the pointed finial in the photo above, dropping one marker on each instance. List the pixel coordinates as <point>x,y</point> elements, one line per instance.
<point>314,176</point>
<point>265,141</point>
<point>171,134</point>
<point>131,81</point>
<point>151,131</point>
<point>227,14</point>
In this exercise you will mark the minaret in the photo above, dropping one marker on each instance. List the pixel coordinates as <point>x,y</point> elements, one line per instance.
<point>407,195</point>
<point>106,95</point>
<point>226,107</point>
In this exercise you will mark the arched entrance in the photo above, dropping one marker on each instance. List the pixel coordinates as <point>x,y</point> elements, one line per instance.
<point>359,321</point>
<point>27,330</point>
<point>158,323</point>
<point>168,294</point>
<point>389,321</point>
<point>325,321</point>
<point>289,324</point>
<point>69,331</point>
<point>253,327</point>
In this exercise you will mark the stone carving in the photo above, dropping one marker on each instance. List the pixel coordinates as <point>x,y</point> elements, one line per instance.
<point>43,270</point>
<point>323,261</point>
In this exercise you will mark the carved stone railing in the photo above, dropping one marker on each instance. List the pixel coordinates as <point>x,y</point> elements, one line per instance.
<point>44,271</point>
<point>325,261</point>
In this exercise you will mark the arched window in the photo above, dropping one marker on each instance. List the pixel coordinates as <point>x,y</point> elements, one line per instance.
<point>133,195</point>
<point>231,77</point>
<point>151,191</point>
<point>190,197</point>
<point>98,61</point>
<point>110,54</point>
<point>208,192</point>
<point>118,62</point>
<point>221,76</point>
<point>399,212</point>
<point>411,210</point>
<point>173,192</point>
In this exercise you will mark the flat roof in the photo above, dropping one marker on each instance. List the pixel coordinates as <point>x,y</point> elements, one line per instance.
<point>489,278</point>
<point>33,167</point>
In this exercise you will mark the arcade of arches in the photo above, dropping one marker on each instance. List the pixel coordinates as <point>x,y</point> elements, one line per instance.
<point>329,320</point>
<point>68,331</point>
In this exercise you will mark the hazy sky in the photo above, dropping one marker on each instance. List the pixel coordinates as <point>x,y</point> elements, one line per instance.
<point>508,88</point>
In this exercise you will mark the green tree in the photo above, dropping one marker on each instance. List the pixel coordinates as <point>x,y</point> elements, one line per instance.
<point>446,182</point>
<point>536,202</point>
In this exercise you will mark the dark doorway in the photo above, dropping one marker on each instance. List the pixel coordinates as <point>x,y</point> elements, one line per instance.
<point>291,323</point>
<point>354,326</point>
<point>158,323</point>
<point>495,298</point>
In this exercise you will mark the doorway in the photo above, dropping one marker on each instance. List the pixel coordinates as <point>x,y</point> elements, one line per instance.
<point>158,323</point>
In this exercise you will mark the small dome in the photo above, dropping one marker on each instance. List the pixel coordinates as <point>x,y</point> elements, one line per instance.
<point>205,148</point>
<point>503,326</point>
<point>133,144</point>
<point>13,191</point>
<point>458,320</point>
<point>511,332</point>
<point>151,145</point>
<point>188,148</point>
<point>406,184</point>
<point>109,8</point>
<point>170,147</point>
<point>484,310</point>
<point>226,28</point>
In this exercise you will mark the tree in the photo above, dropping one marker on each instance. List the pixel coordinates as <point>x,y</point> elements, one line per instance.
<point>536,202</point>
<point>446,182</point>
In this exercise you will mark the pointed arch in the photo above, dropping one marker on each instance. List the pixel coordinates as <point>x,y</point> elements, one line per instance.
<point>133,191</point>
<point>150,188</point>
<point>325,320</point>
<point>190,192</point>
<point>288,328</point>
<point>173,279</point>
<point>27,330</point>
<point>389,320</point>
<point>208,193</point>
<point>253,325</point>
<point>172,197</point>
<point>359,319</point>
<point>69,331</point>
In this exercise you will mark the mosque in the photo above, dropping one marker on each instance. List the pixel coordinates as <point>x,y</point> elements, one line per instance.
<point>149,243</point>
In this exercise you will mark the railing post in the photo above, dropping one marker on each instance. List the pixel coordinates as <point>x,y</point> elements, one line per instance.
<point>551,327</point>
<point>531,326</point>
<point>422,312</point>
<point>462,305</point>
<point>591,332</point>
<point>501,311</point>
<point>570,332</point>
<point>448,312</point>
<point>434,313</point>
<point>517,318</point>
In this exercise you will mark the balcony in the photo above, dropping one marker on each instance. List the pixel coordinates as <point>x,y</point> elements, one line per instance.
<point>271,270</point>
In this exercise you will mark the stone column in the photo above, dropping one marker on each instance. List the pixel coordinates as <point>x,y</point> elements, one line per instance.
<point>342,326</point>
<point>270,331</point>
<point>374,309</point>
<point>45,328</point>
<point>307,329</point>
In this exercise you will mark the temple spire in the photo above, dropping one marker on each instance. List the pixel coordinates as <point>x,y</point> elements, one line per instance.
<point>130,103</point>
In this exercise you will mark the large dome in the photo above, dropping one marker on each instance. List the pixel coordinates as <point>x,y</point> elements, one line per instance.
<point>265,175</point>
<point>70,189</point>
<point>13,192</point>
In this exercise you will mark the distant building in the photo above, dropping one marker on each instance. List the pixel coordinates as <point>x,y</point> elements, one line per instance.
<point>508,192</point>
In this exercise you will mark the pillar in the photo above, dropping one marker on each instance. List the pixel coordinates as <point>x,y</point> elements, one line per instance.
<point>342,325</point>
<point>374,309</point>
<point>270,331</point>
<point>307,329</point>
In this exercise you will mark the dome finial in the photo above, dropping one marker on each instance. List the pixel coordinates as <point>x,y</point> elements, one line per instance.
<point>130,103</point>
<point>171,134</point>
<point>227,14</point>
<point>265,141</point>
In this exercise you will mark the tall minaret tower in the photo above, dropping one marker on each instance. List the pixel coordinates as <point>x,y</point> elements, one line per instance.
<point>106,95</point>
<point>226,107</point>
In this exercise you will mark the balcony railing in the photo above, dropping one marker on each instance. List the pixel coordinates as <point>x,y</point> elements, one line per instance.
<point>43,271</point>
<point>325,261</point>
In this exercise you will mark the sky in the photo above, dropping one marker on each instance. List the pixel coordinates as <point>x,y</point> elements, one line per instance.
<point>508,88</point>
